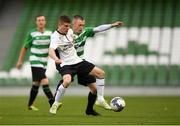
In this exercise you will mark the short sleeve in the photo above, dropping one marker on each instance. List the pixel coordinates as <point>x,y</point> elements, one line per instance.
<point>54,42</point>
<point>89,31</point>
<point>28,41</point>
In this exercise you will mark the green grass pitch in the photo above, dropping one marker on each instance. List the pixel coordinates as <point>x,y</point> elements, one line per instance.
<point>139,110</point>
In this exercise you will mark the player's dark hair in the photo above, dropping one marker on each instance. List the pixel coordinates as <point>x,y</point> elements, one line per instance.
<point>39,15</point>
<point>64,18</point>
<point>78,17</point>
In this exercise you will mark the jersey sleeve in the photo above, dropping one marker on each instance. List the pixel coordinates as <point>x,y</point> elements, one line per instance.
<point>53,43</point>
<point>28,41</point>
<point>89,31</point>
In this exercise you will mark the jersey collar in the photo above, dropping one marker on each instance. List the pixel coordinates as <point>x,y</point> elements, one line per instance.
<point>60,33</point>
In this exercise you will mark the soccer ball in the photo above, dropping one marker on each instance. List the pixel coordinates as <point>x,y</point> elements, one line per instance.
<point>117,104</point>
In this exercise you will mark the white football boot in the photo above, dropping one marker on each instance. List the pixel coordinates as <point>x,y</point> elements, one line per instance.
<point>103,104</point>
<point>55,107</point>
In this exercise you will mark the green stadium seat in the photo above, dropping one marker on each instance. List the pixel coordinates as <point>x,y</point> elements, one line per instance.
<point>148,12</point>
<point>127,75</point>
<point>131,49</point>
<point>150,75</point>
<point>174,75</point>
<point>162,75</point>
<point>118,10</point>
<point>157,11</point>
<point>120,51</point>
<point>116,74</point>
<point>127,12</point>
<point>138,75</point>
<point>142,49</point>
<point>168,10</point>
<point>136,12</point>
<point>176,9</point>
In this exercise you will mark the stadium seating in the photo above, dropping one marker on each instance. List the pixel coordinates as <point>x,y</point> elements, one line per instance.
<point>149,29</point>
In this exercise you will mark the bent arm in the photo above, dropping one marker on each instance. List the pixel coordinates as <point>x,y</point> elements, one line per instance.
<point>52,54</point>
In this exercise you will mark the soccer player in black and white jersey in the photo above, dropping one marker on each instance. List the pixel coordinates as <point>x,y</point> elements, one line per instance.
<point>71,64</point>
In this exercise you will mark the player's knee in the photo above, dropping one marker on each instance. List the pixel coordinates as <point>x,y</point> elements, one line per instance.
<point>94,91</point>
<point>101,74</point>
<point>93,88</point>
<point>35,83</point>
<point>67,78</point>
<point>66,82</point>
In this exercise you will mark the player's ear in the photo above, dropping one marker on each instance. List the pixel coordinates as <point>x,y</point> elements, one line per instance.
<point>59,23</point>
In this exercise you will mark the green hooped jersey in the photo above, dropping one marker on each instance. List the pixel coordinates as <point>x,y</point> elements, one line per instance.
<point>38,43</point>
<point>80,40</point>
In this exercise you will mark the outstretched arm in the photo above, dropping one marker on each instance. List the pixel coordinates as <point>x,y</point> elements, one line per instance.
<point>21,57</point>
<point>107,26</point>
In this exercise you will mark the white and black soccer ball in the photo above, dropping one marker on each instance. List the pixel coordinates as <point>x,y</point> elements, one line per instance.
<point>117,104</point>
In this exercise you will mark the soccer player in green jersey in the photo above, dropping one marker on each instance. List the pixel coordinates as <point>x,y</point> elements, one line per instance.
<point>38,41</point>
<point>81,35</point>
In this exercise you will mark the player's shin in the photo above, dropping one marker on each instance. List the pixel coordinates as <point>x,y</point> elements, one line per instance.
<point>100,89</point>
<point>33,94</point>
<point>91,101</point>
<point>60,93</point>
<point>48,93</point>
<point>59,83</point>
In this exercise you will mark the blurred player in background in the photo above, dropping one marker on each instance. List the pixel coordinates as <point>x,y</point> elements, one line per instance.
<point>37,41</point>
<point>81,34</point>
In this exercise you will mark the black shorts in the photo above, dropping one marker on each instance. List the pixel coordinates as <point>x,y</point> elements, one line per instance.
<point>38,73</point>
<point>82,70</point>
<point>86,80</point>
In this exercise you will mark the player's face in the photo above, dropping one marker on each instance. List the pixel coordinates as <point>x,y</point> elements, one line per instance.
<point>64,27</point>
<point>40,22</point>
<point>78,26</point>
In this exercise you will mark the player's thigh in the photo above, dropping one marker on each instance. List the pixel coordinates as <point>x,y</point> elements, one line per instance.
<point>97,72</point>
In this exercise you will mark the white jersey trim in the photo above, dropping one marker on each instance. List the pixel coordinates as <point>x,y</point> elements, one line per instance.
<point>39,51</point>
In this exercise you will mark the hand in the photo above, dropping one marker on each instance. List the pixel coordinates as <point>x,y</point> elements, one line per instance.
<point>118,24</point>
<point>19,65</point>
<point>58,61</point>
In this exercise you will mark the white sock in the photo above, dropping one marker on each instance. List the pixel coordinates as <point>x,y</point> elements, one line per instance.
<point>60,93</point>
<point>100,89</point>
